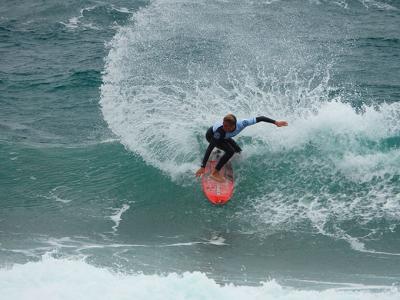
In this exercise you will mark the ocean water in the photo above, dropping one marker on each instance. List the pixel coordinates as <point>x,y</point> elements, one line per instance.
<point>103,110</point>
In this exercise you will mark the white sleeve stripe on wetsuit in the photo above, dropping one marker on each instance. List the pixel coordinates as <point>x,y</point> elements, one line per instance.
<point>246,122</point>
<point>216,126</point>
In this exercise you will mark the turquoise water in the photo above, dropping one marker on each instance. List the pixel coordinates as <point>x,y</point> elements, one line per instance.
<point>104,107</point>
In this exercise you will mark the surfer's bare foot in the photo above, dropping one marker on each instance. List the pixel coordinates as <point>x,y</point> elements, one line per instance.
<point>217,177</point>
<point>200,172</point>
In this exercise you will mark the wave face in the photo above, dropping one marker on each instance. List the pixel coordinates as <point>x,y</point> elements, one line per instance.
<point>179,68</point>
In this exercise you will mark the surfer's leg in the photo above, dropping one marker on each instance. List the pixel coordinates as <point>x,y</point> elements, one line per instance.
<point>229,151</point>
<point>234,145</point>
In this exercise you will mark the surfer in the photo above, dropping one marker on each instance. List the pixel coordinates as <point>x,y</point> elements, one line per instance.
<point>220,136</point>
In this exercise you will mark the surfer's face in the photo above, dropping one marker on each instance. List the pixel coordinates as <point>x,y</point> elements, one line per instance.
<point>228,127</point>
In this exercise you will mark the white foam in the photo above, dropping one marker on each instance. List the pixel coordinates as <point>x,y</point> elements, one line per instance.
<point>217,240</point>
<point>378,4</point>
<point>363,168</point>
<point>327,213</point>
<point>109,141</point>
<point>349,139</point>
<point>121,9</point>
<point>54,194</point>
<point>342,3</point>
<point>72,23</point>
<point>116,218</point>
<point>79,21</point>
<point>74,279</point>
<point>336,119</point>
<point>366,3</point>
<point>82,246</point>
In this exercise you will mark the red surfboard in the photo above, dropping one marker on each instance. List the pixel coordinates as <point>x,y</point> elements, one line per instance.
<point>218,192</point>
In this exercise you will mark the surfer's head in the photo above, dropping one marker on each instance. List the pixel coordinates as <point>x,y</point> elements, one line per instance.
<point>229,123</point>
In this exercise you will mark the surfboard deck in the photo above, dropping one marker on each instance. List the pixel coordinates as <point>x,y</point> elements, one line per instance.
<point>218,193</point>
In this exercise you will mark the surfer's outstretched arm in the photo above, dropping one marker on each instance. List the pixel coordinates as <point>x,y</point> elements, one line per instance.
<point>264,119</point>
<point>268,120</point>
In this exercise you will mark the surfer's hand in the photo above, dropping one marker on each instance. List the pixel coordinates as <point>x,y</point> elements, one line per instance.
<point>200,172</point>
<point>281,123</point>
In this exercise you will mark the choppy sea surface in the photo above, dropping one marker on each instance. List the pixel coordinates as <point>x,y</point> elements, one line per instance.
<point>103,110</point>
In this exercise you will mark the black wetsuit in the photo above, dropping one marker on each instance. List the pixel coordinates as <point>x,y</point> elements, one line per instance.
<point>217,138</point>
